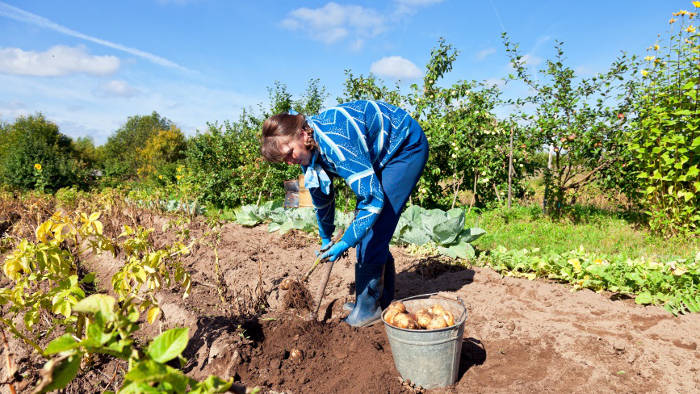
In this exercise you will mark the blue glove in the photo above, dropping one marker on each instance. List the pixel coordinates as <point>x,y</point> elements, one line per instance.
<point>336,250</point>
<point>326,243</point>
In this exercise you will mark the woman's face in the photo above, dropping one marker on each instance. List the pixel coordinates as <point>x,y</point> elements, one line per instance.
<point>294,150</point>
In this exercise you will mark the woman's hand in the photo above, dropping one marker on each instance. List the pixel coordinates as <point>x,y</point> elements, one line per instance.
<point>335,251</point>
<point>326,243</point>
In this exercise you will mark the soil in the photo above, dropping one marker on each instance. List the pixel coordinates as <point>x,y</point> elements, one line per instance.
<point>520,336</point>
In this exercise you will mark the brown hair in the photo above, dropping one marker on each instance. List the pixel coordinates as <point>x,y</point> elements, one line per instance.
<point>282,125</point>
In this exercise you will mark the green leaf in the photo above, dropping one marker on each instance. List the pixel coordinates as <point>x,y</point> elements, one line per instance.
<point>168,345</point>
<point>212,384</point>
<point>471,234</point>
<point>61,344</point>
<point>461,250</point>
<point>61,373</point>
<point>89,278</point>
<point>97,303</point>
<point>137,388</point>
<point>643,298</point>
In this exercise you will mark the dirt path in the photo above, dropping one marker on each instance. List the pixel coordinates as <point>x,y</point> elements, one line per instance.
<point>520,336</point>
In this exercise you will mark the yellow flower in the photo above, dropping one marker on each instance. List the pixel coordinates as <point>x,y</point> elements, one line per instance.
<point>690,29</point>
<point>160,176</point>
<point>645,73</point>
<point>179,177</point>
<point>696,4</point>
<point>576,264</point>
<point>671,21</point>
<point>649,58</point>
<point>37,167</point>
<point>656,47</point>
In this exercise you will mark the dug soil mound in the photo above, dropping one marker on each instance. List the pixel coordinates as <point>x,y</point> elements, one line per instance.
<point>520,336</point>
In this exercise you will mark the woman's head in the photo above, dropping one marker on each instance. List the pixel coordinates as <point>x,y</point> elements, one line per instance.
<point>287,138</point>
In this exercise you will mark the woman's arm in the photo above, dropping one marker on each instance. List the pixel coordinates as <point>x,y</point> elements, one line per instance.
<point>324,205</point>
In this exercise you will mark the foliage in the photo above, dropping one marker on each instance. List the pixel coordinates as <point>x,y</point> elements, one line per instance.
<point>121,154</point>
<point>34,154</point>
<point>572,118</point>
<point>664,138</point>
<point>162,152</point>
<point>676,283</point>
<point>419,226</point>
<point>50,285</point>
<point>468,145</point>
<point>416,225</point>
<point>225,162</point>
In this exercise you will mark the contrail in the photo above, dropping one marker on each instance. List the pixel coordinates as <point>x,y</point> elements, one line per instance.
<point>498,16</point>
<point>17,14</point>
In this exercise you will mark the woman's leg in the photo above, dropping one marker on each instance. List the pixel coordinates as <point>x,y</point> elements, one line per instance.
<point>398,178</point>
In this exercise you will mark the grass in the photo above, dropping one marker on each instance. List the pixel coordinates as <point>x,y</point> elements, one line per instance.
<point>598,231</point>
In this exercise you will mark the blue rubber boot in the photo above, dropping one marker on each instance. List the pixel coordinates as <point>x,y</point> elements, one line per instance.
<point>368,290</point>
<point>388,284</point>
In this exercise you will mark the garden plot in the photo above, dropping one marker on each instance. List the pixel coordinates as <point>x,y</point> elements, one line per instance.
<point>520,336</point>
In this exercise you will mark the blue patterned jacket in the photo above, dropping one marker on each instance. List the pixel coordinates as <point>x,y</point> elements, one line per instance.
<point>356,140</point>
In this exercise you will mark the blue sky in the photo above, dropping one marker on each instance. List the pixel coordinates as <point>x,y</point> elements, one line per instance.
<point>88,65</point>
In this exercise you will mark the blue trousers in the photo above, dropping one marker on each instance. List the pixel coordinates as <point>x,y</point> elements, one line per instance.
<point>374,271</point>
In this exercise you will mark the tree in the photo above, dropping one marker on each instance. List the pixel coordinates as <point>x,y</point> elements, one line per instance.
<point>574,119</point>
<point>122,152</point>
<point>35,154</point>
<point>165,148</point>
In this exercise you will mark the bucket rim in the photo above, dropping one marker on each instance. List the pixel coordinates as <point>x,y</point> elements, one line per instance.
<point>460,321</point>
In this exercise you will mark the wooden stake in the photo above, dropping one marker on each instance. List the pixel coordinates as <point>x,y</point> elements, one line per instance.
<point>510,166</point>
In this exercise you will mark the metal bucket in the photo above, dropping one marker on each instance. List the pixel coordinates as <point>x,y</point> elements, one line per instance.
<point>428,358</point>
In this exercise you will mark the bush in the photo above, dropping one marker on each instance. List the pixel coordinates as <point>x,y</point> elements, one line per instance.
<point>664,138</point>
<point>35,155</point>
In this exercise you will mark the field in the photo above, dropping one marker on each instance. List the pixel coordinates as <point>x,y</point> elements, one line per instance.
<point>520,335</point>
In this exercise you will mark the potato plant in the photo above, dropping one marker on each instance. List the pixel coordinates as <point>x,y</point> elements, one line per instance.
<point>51,290</point>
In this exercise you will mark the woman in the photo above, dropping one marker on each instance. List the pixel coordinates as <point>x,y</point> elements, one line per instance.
<point>380,151</point>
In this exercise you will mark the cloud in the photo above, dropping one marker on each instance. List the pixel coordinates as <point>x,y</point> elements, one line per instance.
<point>395,67</point>
<point>17,14</point>
<point>497,82</point>
<point>484,53</point>
<point>57,61</point>
<point>408,7</point>
<point>531,60</point>
<point>116,88</point>
<point>334,22</point>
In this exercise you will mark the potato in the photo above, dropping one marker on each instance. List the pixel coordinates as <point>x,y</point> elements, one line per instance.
<point>437,310</point>
<point>449,318</point>
<point>423,318</point>
<point>404,320</point>
<point>437,322</point>
<point>286,284</point>
<point>398,305</point>
<point>296,354</point>
<point>390,314</point>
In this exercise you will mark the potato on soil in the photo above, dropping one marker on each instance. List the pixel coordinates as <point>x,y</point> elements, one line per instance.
<point>286,284</point>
